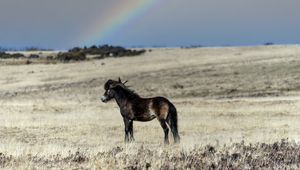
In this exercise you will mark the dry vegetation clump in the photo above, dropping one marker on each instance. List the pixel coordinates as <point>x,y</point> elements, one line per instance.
<point>4,55</point>
<point>33,56</point>
<point>283,154</point>
<point>71,56</point>
<point>35,161</point>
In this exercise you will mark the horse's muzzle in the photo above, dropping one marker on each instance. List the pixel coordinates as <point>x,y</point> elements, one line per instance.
<point>103,99</point>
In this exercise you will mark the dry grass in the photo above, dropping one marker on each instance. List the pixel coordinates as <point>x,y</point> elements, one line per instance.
<point>278,155</point>
<point>51,115</point>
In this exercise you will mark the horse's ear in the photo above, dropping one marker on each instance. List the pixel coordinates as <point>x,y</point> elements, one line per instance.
<point>125,82</point>
<point>120,80</point>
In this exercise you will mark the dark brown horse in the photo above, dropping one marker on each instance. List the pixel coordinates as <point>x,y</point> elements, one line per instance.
<point>135,108</point>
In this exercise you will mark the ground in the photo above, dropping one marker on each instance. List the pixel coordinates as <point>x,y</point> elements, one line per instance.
<point>51,115</point>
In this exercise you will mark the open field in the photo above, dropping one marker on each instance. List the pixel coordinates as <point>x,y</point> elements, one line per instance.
<point>51,115</point>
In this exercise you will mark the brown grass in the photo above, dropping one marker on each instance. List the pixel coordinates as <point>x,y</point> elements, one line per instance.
<point>278,155</point>
<point>51,115</point>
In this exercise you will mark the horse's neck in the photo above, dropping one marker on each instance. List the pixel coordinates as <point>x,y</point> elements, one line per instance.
<point>121,98</point>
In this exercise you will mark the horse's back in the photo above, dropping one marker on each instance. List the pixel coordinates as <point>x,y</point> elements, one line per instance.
<point>161,106</point>
<point>160,100</point>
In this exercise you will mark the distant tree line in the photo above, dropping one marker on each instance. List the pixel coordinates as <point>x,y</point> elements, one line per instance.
<point>99,52</point>
<point>78,53</point>
<point>4,55</point>
<point>108,51</point>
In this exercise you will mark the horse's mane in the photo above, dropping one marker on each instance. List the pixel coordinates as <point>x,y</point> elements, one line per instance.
<point>129,92</point>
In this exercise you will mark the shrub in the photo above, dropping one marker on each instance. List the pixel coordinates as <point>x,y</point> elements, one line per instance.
<point>268,43</point>
<point>75,49</point>
<point>71,56</point>
<point>4,55</point>
<point>28,62</point>
<point>49,57</point>
<point>34,56</point>
<point>17,55</point>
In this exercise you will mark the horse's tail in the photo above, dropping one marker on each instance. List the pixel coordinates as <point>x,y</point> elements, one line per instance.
<point>173,122</point>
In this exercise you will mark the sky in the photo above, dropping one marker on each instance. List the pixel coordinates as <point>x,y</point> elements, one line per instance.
<point>62,24</point>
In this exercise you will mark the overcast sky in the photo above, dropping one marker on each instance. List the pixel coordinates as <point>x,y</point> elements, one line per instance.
<point>58,24</point>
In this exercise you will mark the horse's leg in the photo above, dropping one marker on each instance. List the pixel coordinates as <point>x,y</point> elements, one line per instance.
<point>174,132</point>
<point>166,130</point>
<point>126,124</point>
<point>131,130</point>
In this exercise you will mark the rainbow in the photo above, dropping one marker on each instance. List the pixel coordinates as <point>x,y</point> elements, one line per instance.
<point>119,16</point>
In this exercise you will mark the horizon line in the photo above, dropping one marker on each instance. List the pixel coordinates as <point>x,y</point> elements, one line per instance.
<point>27,48</point>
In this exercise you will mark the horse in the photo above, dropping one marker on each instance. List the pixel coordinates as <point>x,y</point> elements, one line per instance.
<point>135,108</point>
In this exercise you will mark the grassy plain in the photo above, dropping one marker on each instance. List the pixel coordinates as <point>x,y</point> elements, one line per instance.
<point>51,115</point>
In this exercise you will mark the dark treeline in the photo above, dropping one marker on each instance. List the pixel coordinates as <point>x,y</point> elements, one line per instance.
<point>98,52</point>
<point>78,53</point>
<point>108,51</point>
<point>4,55</point>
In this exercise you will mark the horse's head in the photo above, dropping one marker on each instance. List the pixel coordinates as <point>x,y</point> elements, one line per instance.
<point>110,87</point>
